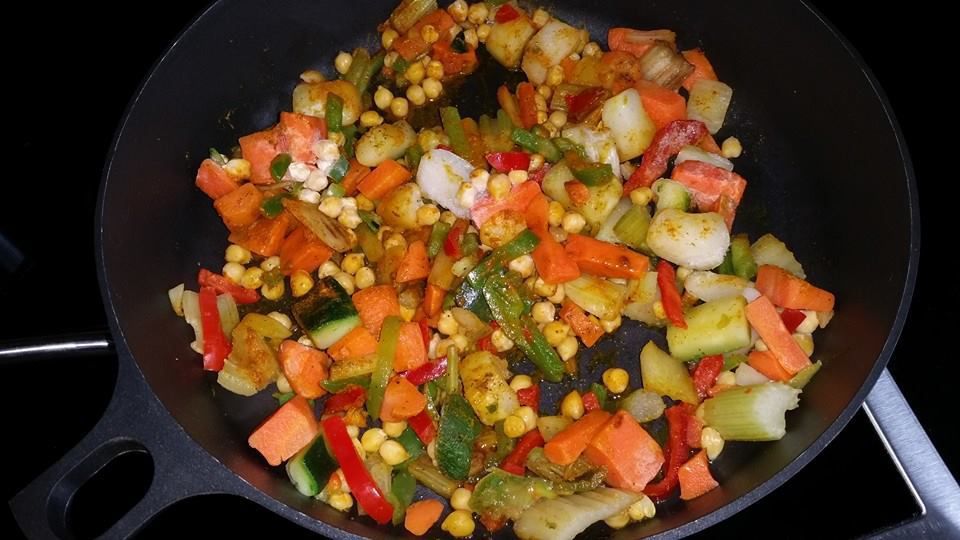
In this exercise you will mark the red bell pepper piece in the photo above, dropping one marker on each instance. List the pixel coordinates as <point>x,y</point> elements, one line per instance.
<point>582,104</point>
<point>423,426</point>
<point>361,484</point>
<point>221,284</point>
<point>537,175</point>
<point>590,402</point>
<point>677,451</point>
<point>514,462</point>
<point>348,398</point>
<point>509,161</point>
<point>530,397</point>
<point>505,14</point>
<point>706,373</point>
<point>451,245</point>
<point>427,372</point>
<point>667,142</point>
<point>792,318</point>
<point>425,332</point>
<point>669,295</point>
<point>216,348</point>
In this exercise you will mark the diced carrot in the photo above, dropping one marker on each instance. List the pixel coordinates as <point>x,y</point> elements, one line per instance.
<point>709,144</point>
<point>509,105</point>
<point>213,180</point>
<point>766,363</point>
<point>259,149</point>
<point>383,179</point>
<point>528,104</point>
<point>553,263</point>
<point>707,183</point>
<point>411,351</point>
<point>630,455</point>
<point>240,207</point>
<point>787,290</point>
<point>565,447</point>
<point>298,133</point>
<point>695,477</point>
<point>401,400</point>
<point>376,304</point>
<point>538,214</point>
<point>422,515</point>
<point>662,104</point>
<point>702,69</point>
<point>619,70</point>
<point>455,63</point>
<point>619,40</point>
<point>518,200</point>
<point>265,236</point>
<point>411,45</point>
<point>354,175</point>
<point>286,431</point>
<point>358,343</point>
<point>415,264</point>
<point>605,259</point>
<point>304,367</point>
<point>767,322</point>
<point>433,299</point>
<point>301,250</point>
<point>579,193</point>
<point>568,65</point>
<point>583,326</point>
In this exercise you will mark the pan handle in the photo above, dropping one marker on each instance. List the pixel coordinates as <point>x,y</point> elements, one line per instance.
<point>921,466</point>
<point>134,421</point>
<point>73,345</point>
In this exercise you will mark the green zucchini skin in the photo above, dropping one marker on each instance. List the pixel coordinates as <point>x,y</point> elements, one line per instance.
<point>311,468</point>
<point>326,313</point>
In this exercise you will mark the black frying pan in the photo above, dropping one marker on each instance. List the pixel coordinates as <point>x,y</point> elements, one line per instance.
<point>821,148</point>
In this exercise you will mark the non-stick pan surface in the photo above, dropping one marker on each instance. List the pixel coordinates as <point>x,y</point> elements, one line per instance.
<point>822,153</point>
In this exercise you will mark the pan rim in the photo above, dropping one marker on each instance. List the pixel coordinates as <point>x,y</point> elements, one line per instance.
<point>720,513</point>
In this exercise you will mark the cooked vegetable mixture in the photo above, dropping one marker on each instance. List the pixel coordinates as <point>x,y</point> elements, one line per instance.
<point>383,281</point>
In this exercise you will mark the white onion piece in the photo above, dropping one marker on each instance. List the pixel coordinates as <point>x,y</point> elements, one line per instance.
<point>176,299</point>
<point>554,42</point>
<point>709,286</point>
<point>440,174</point>
<point>628,122</point>
<point>747,376</point>
<point>598,145</point>
<point>693,153</point>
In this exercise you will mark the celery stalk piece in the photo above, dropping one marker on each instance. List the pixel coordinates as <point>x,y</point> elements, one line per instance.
<point>804,375</point>
<point>751,413</point>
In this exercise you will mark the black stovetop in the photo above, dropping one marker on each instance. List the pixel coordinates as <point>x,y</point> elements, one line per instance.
<point>60,138</point>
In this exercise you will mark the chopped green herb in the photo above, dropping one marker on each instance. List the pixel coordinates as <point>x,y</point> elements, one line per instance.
<point>218,157</point>
<point>273,206</point>
<point>339,169</point>
<point>279,166</point>
<point>371,220</point>
<point>283,397</point>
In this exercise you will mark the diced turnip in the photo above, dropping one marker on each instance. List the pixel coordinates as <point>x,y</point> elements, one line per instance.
<point>697,241</point>
<point>507,40</point>
<point>709,101</point>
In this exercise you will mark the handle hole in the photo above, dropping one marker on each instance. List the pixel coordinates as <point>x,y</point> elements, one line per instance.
<point>110,493</point>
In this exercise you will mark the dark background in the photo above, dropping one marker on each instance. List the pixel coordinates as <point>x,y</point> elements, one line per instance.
<point>71,79</point>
